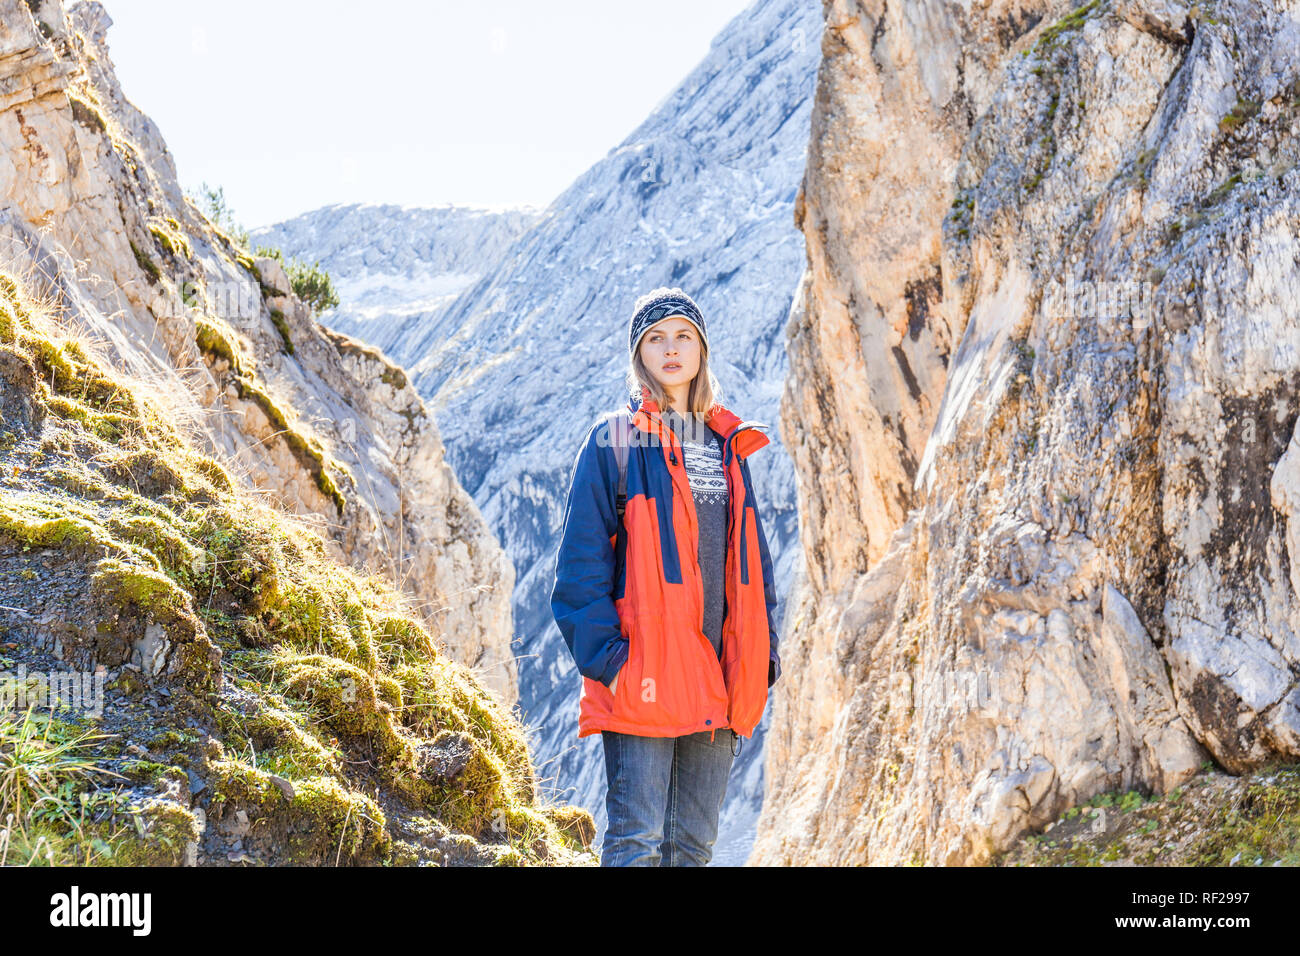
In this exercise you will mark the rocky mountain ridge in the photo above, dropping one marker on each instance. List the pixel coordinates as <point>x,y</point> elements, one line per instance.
<point>395,265</point>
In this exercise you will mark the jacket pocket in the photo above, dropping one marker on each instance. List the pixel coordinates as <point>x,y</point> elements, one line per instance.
<point>629,677</point>
<point>672,682</point>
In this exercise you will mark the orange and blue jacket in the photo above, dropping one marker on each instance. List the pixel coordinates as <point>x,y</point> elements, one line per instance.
<point>646,611</point>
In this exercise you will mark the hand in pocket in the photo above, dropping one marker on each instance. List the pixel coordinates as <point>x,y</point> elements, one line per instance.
<point>613,685</point>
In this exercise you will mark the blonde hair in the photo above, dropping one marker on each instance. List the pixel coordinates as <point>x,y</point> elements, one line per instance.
<point>704,393</point>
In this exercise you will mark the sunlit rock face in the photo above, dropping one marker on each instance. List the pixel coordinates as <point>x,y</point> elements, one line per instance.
<point>92,216</point>
<point>1045,368</point>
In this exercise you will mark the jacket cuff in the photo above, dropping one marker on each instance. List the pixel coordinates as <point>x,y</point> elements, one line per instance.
<point>615,664</point>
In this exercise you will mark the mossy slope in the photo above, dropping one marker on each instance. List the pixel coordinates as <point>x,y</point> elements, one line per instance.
<point>1215,819</point>
<point>262,704</point>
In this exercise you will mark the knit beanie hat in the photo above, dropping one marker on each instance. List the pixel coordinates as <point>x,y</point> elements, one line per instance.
<point>657,305</point>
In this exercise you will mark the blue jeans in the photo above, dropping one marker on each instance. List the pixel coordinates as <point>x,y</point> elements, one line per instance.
<point>665,794</point>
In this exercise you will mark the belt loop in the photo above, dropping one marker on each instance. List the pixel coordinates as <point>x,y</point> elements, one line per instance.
<point>711,733</point>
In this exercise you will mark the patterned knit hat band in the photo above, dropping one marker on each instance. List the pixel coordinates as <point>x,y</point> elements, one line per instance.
<point>659,305</point>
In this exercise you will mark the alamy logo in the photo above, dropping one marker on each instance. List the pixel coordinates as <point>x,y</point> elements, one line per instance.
<point>687,428</point>
<point>1112,305</point>
<point>102,909</point>
<point>79,690</point>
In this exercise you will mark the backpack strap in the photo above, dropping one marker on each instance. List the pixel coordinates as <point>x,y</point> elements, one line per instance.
<point>620,428</point>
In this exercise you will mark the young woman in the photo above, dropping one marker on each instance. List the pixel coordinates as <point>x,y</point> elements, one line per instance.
<point>673,632</point>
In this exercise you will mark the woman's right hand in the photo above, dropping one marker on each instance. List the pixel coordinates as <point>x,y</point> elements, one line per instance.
<point>613,685</point>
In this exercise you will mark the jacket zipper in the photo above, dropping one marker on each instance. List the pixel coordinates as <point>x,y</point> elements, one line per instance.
<point>695,556</point>
<point>695,518</point>
<point>733,611</point>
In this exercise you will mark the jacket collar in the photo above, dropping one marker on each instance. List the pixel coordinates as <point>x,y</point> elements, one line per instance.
<point>745,436</point>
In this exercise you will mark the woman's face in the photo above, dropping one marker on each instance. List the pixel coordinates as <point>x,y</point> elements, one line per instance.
<point>671,353</point>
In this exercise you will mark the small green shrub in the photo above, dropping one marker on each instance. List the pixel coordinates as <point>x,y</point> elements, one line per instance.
<point>311,283</point>
<point>212,202</point>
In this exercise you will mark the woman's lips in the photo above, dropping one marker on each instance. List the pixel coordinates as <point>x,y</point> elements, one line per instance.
<point>672,367</point>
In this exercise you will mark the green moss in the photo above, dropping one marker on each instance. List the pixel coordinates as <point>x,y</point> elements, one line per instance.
<point>574,825</point>
<point>170,740</point>
<point>143,771</point>
<point>1263,824</point>
<point>346,695</point>
<point>331,817</point>
<point>212,472</point>
<point>160,539</point>
<point>213,340</point>
<point>9,324</point>
<point>1244,111</point>
<point>152,832</point>
<point>61,808</point>
<point>74,388</point>
<point>1142,167</point>
<point>237,784</point>
<point>37,531</point>
<point>167,829</point>
<point>146,588</point>
<point>1221,191</point>
<point>323,822</point>
<point>308,451</point>
<point>411,642</point>
<point>1213,820</point>
<point>65,366</point>
<point>278,737</point>
<point>171,239</point>
<point>393,377</point>
<point>438,696</point>
<point>1052,35</point>
<point>281,326</point>
<point>87,114</point>
<point>150,268</point>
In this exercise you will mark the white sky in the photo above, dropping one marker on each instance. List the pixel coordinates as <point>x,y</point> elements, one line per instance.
<point>294,105</point>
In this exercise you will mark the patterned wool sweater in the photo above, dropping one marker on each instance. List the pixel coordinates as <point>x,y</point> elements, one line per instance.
<point>703,454</point>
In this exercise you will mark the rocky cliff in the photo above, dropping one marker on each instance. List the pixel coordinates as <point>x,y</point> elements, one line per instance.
<point>320,423</point>
<point>1045,367</point>
<point>230,546</point>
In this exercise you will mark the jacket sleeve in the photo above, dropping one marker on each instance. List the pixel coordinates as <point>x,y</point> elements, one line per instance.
<point>769,592</point>
<point>582,599</point>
